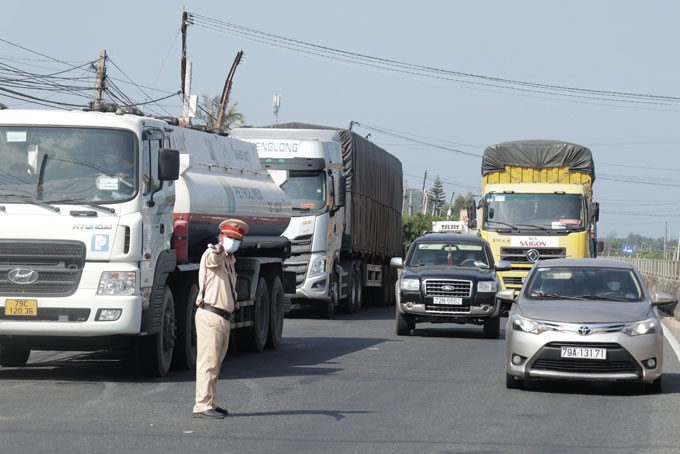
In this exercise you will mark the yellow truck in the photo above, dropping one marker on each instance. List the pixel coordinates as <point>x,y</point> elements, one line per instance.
<point>537,203</point>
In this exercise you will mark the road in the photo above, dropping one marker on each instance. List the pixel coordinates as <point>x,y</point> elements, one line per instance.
<point>347,385</point>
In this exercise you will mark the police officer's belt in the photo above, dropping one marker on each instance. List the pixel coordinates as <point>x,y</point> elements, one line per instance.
<point>221,312</point>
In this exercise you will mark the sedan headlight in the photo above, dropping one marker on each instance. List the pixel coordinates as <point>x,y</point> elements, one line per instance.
<point>117,283</point>
<point>649,326</point>
<point>527,325</point>
<point>487,287</point>
<point>410,285</point>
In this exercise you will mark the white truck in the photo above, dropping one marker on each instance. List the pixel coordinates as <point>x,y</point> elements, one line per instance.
<point>95,255</point>
<point>346,197</point>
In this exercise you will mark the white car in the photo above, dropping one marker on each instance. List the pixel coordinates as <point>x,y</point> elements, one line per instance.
<point>584,319</point>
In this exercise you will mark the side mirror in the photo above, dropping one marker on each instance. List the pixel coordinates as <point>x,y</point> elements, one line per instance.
<point>595,211</point>
<point>506,295</point>
<point>600,246</point>
<point>339,189</point>
<point>503,265</point>
<point>168,164</point>
<point>397,262</point>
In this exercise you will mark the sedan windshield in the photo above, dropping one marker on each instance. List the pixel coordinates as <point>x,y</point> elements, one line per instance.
<point>584,283</point>
<point>448,254</point>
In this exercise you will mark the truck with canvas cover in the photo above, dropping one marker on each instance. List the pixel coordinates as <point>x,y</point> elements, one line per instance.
<point>346,197</point>
<point>537,203</point>
<point>104,220</point>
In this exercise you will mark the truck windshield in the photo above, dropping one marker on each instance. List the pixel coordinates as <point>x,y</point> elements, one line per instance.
<point>307,190</point>
<point>547,212</point>
<point>67,164</point>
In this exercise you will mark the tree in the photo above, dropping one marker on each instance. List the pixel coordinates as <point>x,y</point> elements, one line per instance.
<point>436,198</point>
<point>208,112</point>
<point>414,226</point>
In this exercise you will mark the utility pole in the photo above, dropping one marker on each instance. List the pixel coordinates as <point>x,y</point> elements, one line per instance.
<point>448,213</point>
<point>424,207</point>
<point>100,83</point>
<point>188,110</point>
<point>183,65</point>
<point>277,105</point>
<point>227,89</point>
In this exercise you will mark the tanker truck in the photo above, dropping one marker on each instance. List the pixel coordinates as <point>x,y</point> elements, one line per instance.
<point>537,203</point>
<point>346,197</point>
<point>104,217</point>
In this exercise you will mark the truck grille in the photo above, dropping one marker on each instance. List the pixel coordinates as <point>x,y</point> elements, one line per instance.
<point>448,287</point>
<point>58,264</point>
<point>519,254</point>
<point>300,254</point>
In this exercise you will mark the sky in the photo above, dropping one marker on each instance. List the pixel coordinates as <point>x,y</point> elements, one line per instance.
<point>434,82</point>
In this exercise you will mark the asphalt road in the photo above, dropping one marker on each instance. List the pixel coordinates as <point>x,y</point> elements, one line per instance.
<point>347,385</point>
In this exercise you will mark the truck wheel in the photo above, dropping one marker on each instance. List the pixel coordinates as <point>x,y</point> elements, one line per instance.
<point>404,324</point>
<point>184,356</point>
<point>357,290</point>
<point>492,327</point>
<point>349,301</point>
<point>276,314</point>
<point>13,355</point>
<point>256,335</point>
<point>155,350</point>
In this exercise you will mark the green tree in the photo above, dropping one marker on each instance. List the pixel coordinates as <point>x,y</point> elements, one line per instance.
<point>415,225</point>
<point>436,198</point>
<point>209,109</point>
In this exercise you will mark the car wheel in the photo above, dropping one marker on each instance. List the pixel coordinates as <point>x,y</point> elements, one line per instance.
<point>512,382</point>
<point>653,387</point>
<point>492,328</point>
<point>404,325</point>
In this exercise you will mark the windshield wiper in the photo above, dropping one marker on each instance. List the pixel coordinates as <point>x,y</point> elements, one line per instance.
<point>83,201</point>
<point>513,227</point>
<point>540,227</point>
<point>30,198</point>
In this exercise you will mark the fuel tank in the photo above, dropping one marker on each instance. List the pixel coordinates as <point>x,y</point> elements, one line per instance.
<point>221,178</point>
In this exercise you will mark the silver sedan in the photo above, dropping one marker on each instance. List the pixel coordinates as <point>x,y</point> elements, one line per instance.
<point>584,319</point>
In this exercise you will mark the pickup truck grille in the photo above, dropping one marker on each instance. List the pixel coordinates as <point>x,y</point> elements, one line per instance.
<point>300,254</point>
<point>448,287</point>
<point>519,254</point>
<point>58,264</point>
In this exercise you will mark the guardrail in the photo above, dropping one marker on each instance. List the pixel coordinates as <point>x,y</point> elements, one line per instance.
<point>667,269</point>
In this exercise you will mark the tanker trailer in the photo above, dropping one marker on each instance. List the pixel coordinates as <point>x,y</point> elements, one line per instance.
<point>92,258</point>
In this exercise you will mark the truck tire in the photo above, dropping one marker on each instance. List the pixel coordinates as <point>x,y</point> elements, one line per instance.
<point>404,324</point>
<point>275,314</point>
<point>255,337</point>
<point>184,356</point>
<point>155,350</point>
<point>492,327</point>
<point>13,355</point>
<point>357,289</point>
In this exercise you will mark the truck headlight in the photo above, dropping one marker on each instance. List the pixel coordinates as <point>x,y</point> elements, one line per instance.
<point>486,287</point>
<point>117,283</point>
<point>318,267</point>
<point>410,285</point>
<point>648,326</point>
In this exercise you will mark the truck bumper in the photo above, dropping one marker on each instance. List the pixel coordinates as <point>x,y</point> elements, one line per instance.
<point>315,288</point>
<point>76,316</point>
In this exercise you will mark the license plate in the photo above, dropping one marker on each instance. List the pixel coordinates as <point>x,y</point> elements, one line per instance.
<point>448,301</point>
<point>21,307</point>
<point>584,353</point>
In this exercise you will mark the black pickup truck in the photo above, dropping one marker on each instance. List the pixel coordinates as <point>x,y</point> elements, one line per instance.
<point>448,278</point>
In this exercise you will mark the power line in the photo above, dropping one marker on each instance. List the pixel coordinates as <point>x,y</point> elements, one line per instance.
<point>420,70</point>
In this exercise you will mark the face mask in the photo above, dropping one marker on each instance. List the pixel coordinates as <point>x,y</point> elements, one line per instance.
<point>230,245</point>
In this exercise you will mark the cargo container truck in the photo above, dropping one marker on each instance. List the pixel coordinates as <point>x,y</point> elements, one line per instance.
<point>346,224</point>
<point>93,259</point>
<point>537,203</point>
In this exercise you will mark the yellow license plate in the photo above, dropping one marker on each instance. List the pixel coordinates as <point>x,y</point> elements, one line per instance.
<point>21,307</point>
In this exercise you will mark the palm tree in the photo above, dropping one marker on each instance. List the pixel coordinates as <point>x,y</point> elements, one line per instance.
<point>208,110</point>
